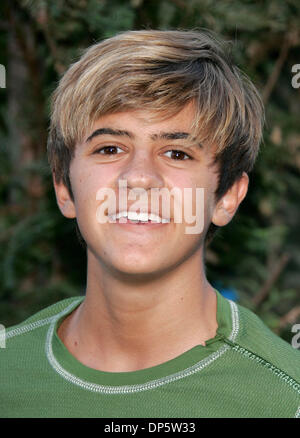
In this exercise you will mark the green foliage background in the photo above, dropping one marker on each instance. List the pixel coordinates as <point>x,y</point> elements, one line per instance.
<point>257,254</point>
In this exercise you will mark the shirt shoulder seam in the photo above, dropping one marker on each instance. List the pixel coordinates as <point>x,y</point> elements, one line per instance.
<point>254,356</point>
<point>39,323</point>
<point>281,374</point>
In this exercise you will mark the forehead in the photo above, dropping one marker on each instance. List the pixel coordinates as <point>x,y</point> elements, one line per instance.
<point>150,122</point>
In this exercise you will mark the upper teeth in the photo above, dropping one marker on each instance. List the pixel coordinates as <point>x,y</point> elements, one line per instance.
<point>143,217</point>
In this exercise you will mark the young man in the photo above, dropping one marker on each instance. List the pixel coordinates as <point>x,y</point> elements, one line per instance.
<point>142,113</point>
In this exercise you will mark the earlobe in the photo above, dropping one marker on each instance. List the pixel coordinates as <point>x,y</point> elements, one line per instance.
<point>227,206</point>
<point>64,201</point>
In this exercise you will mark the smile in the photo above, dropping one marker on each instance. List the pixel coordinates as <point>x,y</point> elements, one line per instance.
<point>137,218</point>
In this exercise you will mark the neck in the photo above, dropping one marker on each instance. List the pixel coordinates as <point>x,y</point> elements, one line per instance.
<point>124,324</point>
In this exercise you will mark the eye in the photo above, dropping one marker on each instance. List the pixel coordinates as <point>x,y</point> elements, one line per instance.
<point>107,150</point>
<point>179,155</point>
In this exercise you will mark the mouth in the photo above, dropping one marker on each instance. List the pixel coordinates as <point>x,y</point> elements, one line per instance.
<point>138,219</point>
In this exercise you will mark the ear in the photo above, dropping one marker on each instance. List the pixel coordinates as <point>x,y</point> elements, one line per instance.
<point>227,206</point>
<point>63,198</point>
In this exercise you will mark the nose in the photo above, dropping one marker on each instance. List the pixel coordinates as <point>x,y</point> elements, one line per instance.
<point>142,172</point>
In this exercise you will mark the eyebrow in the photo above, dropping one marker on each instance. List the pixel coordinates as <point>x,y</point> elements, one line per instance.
<point>176,135</point>
<point>109,131</point>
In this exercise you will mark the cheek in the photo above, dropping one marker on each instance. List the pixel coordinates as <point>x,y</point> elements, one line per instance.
<point>84,189</point>
<point>86,181</point>
<point>180,180</point>
<point>199,198</point>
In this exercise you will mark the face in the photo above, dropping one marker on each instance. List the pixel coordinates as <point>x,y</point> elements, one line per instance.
<point>125,147</point>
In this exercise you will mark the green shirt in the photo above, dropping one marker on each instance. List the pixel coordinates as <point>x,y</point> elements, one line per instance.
<point>244,371</point>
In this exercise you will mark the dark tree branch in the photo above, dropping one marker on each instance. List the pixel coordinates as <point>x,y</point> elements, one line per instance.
<point>271,280</point>
<point>290,39</point>
<point>287,319</point>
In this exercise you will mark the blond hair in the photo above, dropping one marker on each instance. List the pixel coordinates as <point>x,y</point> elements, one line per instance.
<point>160,71</point>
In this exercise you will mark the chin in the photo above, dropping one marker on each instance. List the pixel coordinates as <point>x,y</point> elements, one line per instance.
<point>138,269</point>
